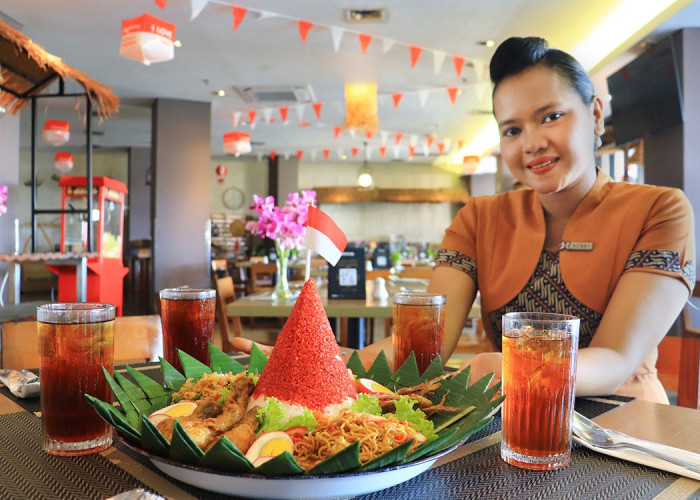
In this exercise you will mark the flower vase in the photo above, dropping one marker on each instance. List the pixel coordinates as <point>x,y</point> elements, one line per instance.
<point>282,291</point>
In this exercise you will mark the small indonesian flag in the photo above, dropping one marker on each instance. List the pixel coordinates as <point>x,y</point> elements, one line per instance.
<point>324,236</point>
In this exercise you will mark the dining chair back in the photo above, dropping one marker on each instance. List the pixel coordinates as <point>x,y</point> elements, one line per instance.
<point>689,369</point>
<point>219,268</point>
<point>136,339</point>
<point>224,295</point>
<point>261,276</point>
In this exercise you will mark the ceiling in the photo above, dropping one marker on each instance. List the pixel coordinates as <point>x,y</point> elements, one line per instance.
<point>266,51</point>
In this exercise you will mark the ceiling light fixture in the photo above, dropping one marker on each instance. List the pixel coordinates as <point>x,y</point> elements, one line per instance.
<point>364,177</point>
<point>221,93</point>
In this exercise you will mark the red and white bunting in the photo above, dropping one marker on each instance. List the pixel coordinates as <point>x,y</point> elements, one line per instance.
<point>397,151</point>
<point>304,27</point>
<point>324,236</point>
<point>382,151</point>
<point>411,151</point>
<point>236,118</point>
<point>365,40</point>
<point>384,134</point>
<point>396,98</point>
<point>326,153</point>
<point>162,3</point>
<point>336,131</point>
<point>452,93</point>
<point>423,95</point>
<point>415,54</point>
<point>251,117</point>
<point>238,15</point>
<point>387,44</point>
<point>313,154</point>
<point>197,6</point>
<point>399,136</point>
<point>459,65</point>
<point>317,108</point>
<point>273,155</point>
<point>354,152</point>
<point>413,139</point>
<point>283,113</point>
<point>300,153</point>
<point>438,60</point>
<point>299,108</point>
<point>267,114</point>
<point>429,141</point>
<point>337,35</point>
<point>441,148</point>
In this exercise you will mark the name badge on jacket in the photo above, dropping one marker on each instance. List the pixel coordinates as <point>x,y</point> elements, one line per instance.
<point>576,246</point>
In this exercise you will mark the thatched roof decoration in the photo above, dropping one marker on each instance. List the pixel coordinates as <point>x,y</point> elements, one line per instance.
<point>26,69</point>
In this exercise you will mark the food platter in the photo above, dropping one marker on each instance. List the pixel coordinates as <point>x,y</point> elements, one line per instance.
<point>290,487</point>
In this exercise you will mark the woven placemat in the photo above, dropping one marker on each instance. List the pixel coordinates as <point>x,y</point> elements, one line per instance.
<point>31,473</point>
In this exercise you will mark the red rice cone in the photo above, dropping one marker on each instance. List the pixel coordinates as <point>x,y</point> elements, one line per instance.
<point>306,367</point>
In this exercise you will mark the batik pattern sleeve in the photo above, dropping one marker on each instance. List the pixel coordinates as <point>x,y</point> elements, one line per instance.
<point>458,249</point>
<point>667,242</point>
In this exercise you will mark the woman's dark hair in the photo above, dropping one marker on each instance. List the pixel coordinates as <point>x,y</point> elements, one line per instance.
<point>516,54</point>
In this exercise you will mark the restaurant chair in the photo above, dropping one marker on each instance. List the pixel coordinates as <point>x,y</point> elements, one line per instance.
<point>224,295</point>
<point>262,276</point>
<point>219,269</point>
<point>136,339</point>
<point>689,369</point>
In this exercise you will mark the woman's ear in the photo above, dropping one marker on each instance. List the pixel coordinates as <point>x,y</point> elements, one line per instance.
<point>599,120</point>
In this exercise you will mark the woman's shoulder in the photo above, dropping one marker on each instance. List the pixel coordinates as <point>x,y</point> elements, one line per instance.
<point>653,195</point>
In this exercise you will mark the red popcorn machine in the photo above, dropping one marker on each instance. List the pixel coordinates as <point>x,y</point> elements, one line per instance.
<point>105,269</point>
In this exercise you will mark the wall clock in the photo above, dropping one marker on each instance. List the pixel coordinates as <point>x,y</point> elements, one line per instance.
<point>233,198</point>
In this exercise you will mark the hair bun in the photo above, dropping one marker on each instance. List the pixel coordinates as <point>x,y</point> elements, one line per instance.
<point>515,54</point>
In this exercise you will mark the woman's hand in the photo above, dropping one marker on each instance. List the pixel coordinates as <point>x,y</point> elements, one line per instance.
<point>483,364</point>
<point>245,345</point>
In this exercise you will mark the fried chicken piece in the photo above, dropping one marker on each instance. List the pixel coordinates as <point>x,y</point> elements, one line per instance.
<point>243,434</point>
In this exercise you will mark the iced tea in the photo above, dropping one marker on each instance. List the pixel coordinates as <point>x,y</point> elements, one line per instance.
<point>539,368</point>
<point>188,322</point>
<point>419,326</point>
<point>75,342</point>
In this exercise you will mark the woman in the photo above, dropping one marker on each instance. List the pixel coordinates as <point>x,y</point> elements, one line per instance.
<point>619,256</point>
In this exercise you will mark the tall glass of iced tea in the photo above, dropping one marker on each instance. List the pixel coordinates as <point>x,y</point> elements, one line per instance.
<point>75,341</point>
<point>539,372</point>
<point>187,315</point>
<point>419,326</point>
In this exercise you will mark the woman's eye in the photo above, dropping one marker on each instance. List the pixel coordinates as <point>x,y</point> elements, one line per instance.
<point>510,132</point>
<point>550,117</point>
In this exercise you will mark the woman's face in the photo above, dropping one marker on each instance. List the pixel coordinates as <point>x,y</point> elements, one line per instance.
<point>547,132</point>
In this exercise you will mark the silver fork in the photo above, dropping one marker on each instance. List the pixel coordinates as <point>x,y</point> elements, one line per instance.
<point>605,438</point>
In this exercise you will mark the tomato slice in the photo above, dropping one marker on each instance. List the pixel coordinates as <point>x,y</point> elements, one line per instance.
<point>296,432</point>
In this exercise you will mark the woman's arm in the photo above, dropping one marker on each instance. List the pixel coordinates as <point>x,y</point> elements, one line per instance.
<point>640,312</point>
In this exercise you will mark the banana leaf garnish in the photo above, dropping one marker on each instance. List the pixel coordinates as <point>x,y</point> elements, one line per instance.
<point>133,397</point>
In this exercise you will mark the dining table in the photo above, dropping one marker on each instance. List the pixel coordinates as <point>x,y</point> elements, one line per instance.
<point>472,470</point>
<point>352,313</point>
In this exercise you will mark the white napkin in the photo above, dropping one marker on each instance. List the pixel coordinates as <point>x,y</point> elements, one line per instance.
<point>642,458</point>
<point>23,384</point>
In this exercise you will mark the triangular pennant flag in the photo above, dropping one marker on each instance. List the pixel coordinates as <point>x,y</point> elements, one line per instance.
<point>337,34</point>
<point>387,44</point>
<point>382,151</point>
<point>459,65</point>
<point>369,134</point>
<point>481,89</point>
<point>384,134</point>
<point>273,155</point>
<point>397,98</point>
<point>161,3</point>
<point>326,153</point>
<point>352,132</point>
<point>452,92</point>
<point>283,113</point>
<point>236,118</point>
<point>354,152</point>
<point>197,7</point>
<point>304,27</point>
<point>300,153</point>
<point>336,131</point>
<point>317,108</point>
<point>429,141</point>
<point>441,148</point>
<point>299,108</point>
<point>286,155</point>
<point>365,40</point>
<point>413,139</point>
<point>399,136</point>
<point>267,113</point>
<point>438,60</point>
<point>324,237</point>
<point>313,154</point>
<point>238,15</point>
<point>251,117</point>
<point>305,367</point>
<point>411,151</point>
<point>368,153</point>
<point>423,97</point>
<point>479,67</point>
<point>426,150</point>
<point>396,151</point>
<point>415,54</point>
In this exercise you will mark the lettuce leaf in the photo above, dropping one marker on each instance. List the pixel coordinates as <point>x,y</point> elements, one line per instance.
<point>366,403</point>
<point>405,412</point>
<point>273,417</point>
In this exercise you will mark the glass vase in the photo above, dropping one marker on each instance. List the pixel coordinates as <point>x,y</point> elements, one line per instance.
<point>282,291</point>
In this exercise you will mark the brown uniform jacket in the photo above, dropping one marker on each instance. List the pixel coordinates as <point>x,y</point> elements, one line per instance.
<point>617,228</point>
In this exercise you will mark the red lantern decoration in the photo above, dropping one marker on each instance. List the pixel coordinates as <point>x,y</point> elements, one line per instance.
<point>221,171</point>
<point>147,39</point>
<point>56,132</point>
<point>63,161</point>
<point>237,143</point>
